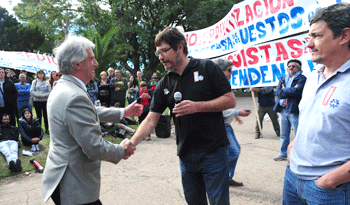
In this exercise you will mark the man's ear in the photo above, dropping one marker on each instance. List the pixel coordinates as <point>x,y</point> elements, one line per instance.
<point>76,66</point>
<point>180,48</point>
<point>345,36</point>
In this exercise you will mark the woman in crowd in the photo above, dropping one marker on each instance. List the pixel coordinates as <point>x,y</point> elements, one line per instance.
<point>30,129</point>
<point>132,88</point>
<point>104,92</point>
<point>40,90</point>
<point>53,78</point>
<point>58,76</point>
<point>144,96</point>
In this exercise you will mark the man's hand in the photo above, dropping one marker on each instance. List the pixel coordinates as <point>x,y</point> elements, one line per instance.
<point>282,87</point>
<point>129,148</point>
<point>35,140</point>
<point>134,109</point>
<point>185,107</point>
<point>243,113</point>
<point>289,150</point>
<point>254,89</point>
<point>238,119</point>
<point>322,182</point>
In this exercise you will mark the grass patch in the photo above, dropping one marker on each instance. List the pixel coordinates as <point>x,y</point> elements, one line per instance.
<point>26,165</point>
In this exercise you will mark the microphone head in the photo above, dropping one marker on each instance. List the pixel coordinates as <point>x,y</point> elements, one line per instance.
<point>177,96</point>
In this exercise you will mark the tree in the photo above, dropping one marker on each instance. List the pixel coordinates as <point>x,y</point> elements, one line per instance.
<point>30,39</point>
<point>18,37</point>
<point>8,30</point>
<point>137,23</point>
<point>106,54</point>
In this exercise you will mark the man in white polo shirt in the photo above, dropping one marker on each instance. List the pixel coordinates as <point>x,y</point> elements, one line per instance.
<point>319,171</point>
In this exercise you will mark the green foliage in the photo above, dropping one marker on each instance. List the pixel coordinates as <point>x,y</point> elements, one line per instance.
<point>206,13</point>
<point>30,39</point>
<point>18,37</point>
<point>54,17</point>
<point>106,54</point>
<point>123,30</point>
<point>8,30</point>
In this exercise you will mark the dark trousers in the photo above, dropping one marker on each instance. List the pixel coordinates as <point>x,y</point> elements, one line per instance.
<point>144,114</point>
<point>32,132</point>
<point>56,198</point>
<point>273,116</point>
<point>41,111</point>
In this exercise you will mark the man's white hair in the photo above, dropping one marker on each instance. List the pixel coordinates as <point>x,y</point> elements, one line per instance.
<point>73,49</point>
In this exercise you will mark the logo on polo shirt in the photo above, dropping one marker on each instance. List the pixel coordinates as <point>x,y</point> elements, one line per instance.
<point>328,96</point>
<point>334,103</point>
<point>166,91</point>
<point>197,77</point>
<point>328,100</point>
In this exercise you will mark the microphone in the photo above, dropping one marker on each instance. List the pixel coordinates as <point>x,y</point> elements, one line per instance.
<point>177,97</point>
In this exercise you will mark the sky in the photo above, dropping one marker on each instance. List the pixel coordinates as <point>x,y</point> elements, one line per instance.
<point>9,4</point>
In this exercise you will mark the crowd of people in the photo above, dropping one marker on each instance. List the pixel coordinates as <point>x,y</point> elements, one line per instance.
<point>17,98</point>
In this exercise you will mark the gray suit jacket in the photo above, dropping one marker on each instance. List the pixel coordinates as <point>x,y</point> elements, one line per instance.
<point>76,146</point>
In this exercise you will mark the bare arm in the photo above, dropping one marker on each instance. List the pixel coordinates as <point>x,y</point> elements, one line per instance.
<point>146,127</point>
<point>289,149</point>
<point>219,104</point>
<point>335,177</point>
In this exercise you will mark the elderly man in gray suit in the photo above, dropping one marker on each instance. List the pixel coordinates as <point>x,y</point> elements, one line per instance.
<point>72,173</point>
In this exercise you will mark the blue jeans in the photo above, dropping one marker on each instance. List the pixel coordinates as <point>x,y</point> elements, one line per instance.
<point>205,173</point>
<point>233,150</point>
<point>21,105</point>
<point>288,120</point>
<point>299,192</point>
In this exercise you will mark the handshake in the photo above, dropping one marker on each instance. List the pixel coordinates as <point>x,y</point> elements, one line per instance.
<point>129,148</point>
<point>134,109</point>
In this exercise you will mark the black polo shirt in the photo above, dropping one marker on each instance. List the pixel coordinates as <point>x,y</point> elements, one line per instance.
<point>202,80</point>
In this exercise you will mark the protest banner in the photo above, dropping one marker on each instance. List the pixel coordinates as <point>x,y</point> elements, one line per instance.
<point>264,64</point>
<point>31,62</point>
<point>248,35</point>
<point>249,23</point>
